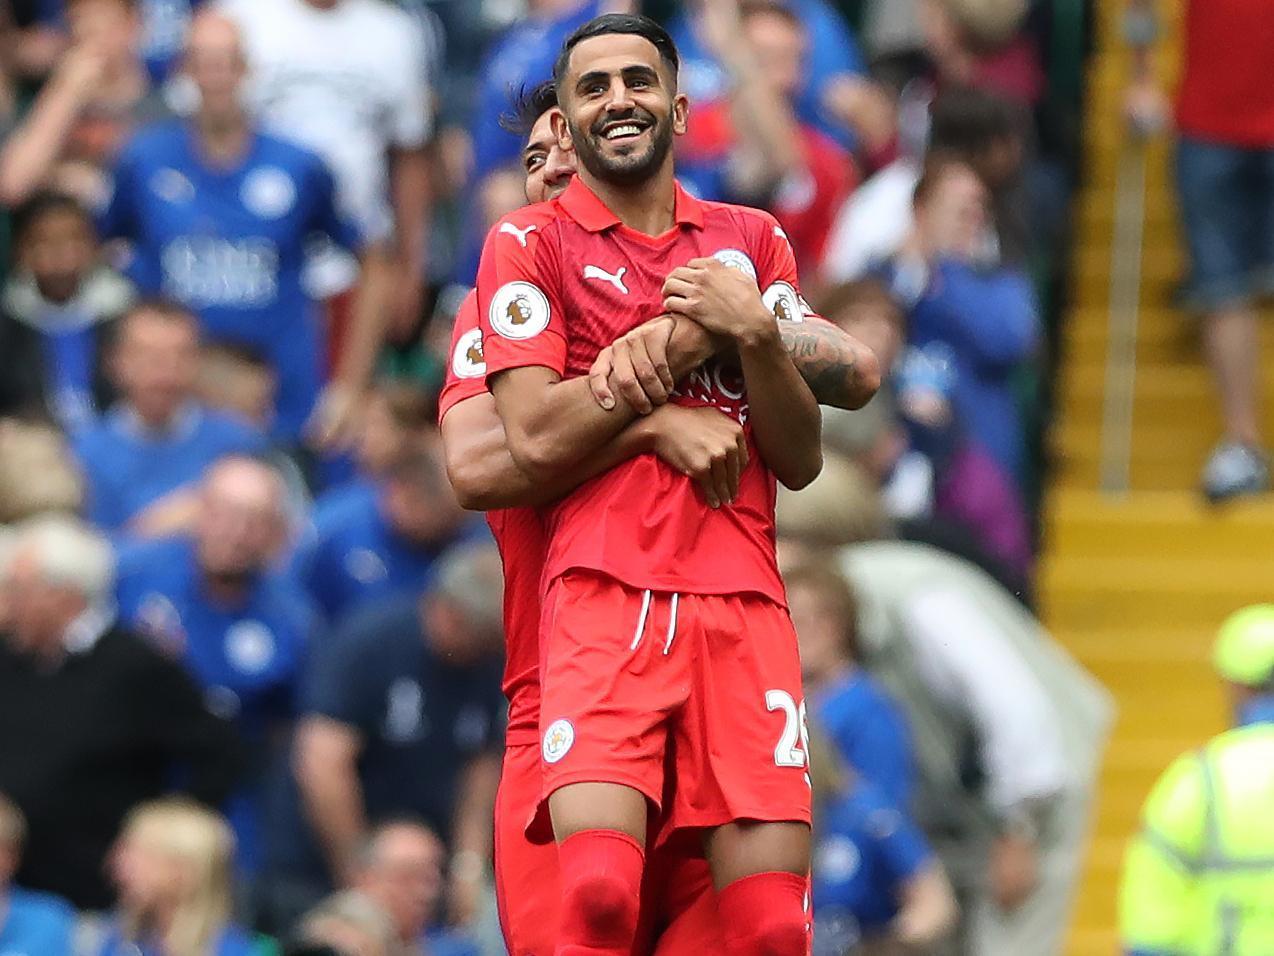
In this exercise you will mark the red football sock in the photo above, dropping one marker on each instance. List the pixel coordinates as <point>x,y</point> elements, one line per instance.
<point>764,915</point>
<point>601,887</point>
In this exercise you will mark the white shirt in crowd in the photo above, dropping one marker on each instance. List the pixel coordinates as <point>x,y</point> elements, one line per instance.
<point>872,224</point>
<point>349,82</point>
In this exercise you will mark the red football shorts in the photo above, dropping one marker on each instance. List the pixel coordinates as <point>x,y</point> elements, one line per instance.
<point>629,676</point>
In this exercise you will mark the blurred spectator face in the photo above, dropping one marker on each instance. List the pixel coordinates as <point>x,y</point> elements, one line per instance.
<point>418,501</point>
<point>41,609</point>
<point>111,26</point>
<point>549,168</point>
<point>215,63</point>
<point>820,630</point>
<point>463,610</point>
<point>404,876</point>
<point>157,362</point>
<point>234,381</point>
<point>396,419</point>
<point>951,214</point>
<point>621,108</point>
<point>241,523</point>
<point>149,879</point>
<point>342,937</point>
<point>779,43</point>
<point>58,248</point>
<point>867,311</point>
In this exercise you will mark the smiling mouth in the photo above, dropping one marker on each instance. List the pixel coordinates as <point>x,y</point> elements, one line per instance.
<point>624,131</point>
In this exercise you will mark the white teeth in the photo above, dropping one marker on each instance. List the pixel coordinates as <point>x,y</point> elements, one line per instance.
<point>622,131</point>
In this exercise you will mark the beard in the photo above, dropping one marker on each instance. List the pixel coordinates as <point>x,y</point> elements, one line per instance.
<point>625,169</point>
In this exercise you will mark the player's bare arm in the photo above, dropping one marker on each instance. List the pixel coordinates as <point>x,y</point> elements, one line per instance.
<point>701,443</point>
<point>841,371</point>
<point>552,424</point>
<point>786,422</point>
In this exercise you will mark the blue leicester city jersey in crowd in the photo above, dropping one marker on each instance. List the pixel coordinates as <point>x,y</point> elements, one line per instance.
<point>128,467</point>
<point>247,658</point>
<point>351,555</point>
<point>35,924</point>
<point>870,732</point>
<point>230,244</point>
<point>865,850</point>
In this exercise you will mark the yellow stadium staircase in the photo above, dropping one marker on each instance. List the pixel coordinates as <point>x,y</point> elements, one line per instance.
<point>1135,584</point>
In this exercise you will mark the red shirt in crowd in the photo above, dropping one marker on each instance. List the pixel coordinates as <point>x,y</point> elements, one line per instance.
<point>805,207</point>
<point>520,536</point>
<point>1226,94</point>
<point>561,280</point>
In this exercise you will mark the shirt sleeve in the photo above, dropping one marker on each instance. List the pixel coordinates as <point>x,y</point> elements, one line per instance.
<point>965,659</point>
<point>467,371</point>
<point>341,682</point>
<point>519,306</point>
<point>776,269</point>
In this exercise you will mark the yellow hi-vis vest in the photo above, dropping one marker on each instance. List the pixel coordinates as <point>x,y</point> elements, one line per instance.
<point>1199,878</point>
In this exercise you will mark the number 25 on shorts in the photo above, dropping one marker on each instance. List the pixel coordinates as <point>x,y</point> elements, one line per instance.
<point>793,746</point>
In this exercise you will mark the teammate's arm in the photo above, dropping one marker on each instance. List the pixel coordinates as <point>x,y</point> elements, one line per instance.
<point>840,370</point>
<point>553,424</point>
<point>786,422</point>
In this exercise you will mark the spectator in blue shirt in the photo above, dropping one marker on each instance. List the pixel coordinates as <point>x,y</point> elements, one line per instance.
<point>31,924</point>
<point>171,866</point>
<point>219,216</point>
<point>215,600</point>
<point>56,314</point>
<point>966,308</point>
<point>403,716</point>
<point>859,717</point>
<point>144,457</point>
<point>375,540</point>
<point>876,884</point>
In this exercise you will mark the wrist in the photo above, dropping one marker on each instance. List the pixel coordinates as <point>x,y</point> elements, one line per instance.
<point>760,332</point>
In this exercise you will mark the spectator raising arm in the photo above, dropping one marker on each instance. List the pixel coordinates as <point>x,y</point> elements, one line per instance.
<point>410,171</point>
<point>929,909</point>
<point>35,146</point>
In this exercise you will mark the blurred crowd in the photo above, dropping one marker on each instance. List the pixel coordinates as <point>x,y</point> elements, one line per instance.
<point>250,643</point>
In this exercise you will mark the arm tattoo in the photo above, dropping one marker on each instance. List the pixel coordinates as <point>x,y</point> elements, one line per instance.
<point>828,360</point>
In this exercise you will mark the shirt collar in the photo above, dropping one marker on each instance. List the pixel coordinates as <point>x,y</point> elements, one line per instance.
<point>583,205</point>
<point>1259,710</point>
<point>83,633</point>
<point>184,422</point>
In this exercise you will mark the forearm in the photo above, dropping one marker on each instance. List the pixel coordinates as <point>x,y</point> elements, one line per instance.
<point>928,908</point>
<point>333,802</point>
<point>471,829</point>
<point>839,370</point>
<point>35,146</point>
<point>485,475</point>
<point>367,334</point>
<point>412,200</point>
<point>786,423</point>
<point>562,424</point>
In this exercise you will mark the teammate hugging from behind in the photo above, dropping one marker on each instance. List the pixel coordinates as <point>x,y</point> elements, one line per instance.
<point>686,471</point>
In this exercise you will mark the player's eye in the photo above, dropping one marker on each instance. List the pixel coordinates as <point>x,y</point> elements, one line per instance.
<point>535,162</point>
<point>639,84</point>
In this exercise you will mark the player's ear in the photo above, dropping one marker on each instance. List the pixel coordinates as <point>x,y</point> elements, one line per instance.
<point>561,129</point>
<point>680,114</point>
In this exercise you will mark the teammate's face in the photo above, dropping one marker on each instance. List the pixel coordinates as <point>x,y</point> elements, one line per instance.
<point>548,166</point>
<point>620,109</point>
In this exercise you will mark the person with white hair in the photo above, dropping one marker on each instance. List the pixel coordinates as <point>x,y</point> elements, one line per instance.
<point>93,719</point>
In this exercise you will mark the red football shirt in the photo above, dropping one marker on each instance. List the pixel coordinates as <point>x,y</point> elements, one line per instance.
<point>1226,95</point>
<point>561,280</point>
<point>520,536</point>
<point>807,205</point>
